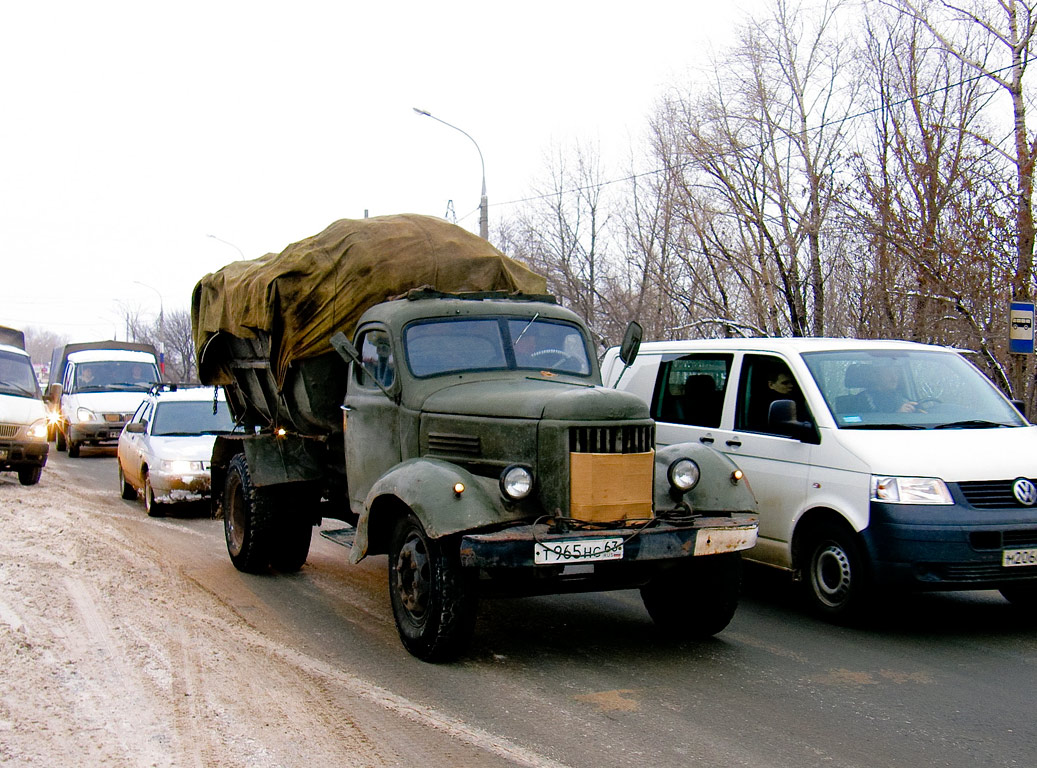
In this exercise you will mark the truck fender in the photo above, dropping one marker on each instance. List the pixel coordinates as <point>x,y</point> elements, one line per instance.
<point>718,490</point>
<point>427,488</point>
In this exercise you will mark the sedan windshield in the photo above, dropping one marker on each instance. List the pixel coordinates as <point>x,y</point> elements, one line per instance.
<point>191,418</point>
<point>505,343</point>
<point>908,389</point>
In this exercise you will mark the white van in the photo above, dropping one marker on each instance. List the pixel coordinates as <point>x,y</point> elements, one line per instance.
<point>95,389</point>
<point>23,417</point>
<point>875,463</point>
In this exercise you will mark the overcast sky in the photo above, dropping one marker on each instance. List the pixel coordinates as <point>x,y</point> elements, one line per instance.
<point>146,143</point>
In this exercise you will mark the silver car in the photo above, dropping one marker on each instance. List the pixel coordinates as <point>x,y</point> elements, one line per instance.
<point>165,448</point>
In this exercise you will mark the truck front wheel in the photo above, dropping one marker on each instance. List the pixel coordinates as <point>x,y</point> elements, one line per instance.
<point>697,598</point>
<point>432,602</point>
<point>248,519</point>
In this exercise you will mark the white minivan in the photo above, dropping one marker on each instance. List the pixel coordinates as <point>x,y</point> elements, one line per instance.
<point>876,464</point>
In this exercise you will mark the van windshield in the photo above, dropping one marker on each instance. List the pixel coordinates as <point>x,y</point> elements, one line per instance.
<point>908,389</point>
<point>16,376</point>
<point>115,376</point>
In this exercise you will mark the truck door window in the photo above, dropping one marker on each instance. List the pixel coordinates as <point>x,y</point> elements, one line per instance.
<point>690,390</point>
<point>379,363</point>
<point>765,379</point>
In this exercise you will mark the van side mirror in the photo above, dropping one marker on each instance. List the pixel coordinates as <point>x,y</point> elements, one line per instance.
<point>783,419</point>
<point>53,394</point>
<point>631,343</point>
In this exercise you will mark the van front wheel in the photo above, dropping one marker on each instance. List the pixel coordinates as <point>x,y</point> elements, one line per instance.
<point>836,582</point>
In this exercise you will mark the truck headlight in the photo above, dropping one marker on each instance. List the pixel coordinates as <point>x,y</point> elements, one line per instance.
<point>683,475</point>
<point>85,414</point>
<point>38,429</point>
<point>909,490</point>
<point>516,482</point>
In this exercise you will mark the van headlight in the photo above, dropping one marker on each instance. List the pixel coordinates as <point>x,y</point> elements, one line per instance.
<point>516,482</point>
<point>910,490</point>
<point>683,475</point>
<point>38,429</point>
<point>85,414</point>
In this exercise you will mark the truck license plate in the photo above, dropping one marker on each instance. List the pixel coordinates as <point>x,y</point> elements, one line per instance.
<point>577,551</point>
<point>1014,557</point>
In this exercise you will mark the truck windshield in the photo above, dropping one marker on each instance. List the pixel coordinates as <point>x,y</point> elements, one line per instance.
<point>191,418</point>
<point>912,389</point>
<point>435,347</point>
<point>115,376</point>
<point>16,376</point>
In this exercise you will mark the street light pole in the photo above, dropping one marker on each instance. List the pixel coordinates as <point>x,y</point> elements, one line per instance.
<point>227,242</point>
<point>484,213</point>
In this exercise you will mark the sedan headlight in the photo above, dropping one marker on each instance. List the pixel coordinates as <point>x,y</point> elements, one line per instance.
<point>181,466</point>
<point>85,414</point>
<point>683,475</point>
<point>38,429</point>
<point>516,482</point>
<point>910,490</point>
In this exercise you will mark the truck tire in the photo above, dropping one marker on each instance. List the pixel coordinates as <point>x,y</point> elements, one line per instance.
<point>293,545</point>
<point>126,490</point>
<point>837,585</point>
<point>73,449</point>
<point>29,475</point>
<point>432,600</point>
<point>697,598</point>
<point>59,439</point>
<point>248,519</point>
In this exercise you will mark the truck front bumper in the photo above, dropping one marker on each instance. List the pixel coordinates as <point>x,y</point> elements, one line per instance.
<point>516,546</point>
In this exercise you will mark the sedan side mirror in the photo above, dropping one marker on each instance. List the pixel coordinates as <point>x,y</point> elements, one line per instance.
<point>136,427</point>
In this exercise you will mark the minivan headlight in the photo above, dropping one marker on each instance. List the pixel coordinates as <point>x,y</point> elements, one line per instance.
<point>910,490</point>
<point>85,414</point>
<point>38,429</point>
<point>516,482</point>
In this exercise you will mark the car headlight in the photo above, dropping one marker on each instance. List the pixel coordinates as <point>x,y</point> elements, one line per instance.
<point>85,414</point>
<point>516,482</point>
<point>910,490</point>
<point>181,466</point>
<point>683,475</point>
<point>38,429</point>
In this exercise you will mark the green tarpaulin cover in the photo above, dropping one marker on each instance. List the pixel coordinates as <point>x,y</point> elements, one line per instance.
<point>298,298</point>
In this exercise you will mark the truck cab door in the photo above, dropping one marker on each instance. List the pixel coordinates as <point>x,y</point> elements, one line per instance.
<point>370,417</point>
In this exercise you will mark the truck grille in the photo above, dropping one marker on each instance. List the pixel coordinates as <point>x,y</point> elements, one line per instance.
<point>8,430</point>
<point>626,438</point>
<point>990,494</point>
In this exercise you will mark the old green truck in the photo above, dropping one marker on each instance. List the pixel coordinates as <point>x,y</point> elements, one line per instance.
<point>459,428</point>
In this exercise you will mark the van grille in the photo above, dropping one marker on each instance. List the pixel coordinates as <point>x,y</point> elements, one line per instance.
<point>990,494</point>
<point>8,430</point>
<point>627,438</point>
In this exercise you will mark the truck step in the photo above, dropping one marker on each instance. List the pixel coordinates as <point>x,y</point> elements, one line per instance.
<point>343,536</point>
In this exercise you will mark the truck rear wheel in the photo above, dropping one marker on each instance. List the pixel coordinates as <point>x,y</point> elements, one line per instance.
<point>432,602</point>
<point>697,598</point>
<point>248,519</point>
<point>293,545</point>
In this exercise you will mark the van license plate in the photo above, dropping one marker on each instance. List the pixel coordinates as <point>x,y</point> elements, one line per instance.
<point>1013,557</point>
<point>577,551</point>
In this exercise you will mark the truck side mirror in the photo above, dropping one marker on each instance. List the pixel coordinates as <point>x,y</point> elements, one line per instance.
<point>631,343</point>
<point>345,348</point>
<point>783,419</point>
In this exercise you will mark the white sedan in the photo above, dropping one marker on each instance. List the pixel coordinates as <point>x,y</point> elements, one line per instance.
<point>165,449</point>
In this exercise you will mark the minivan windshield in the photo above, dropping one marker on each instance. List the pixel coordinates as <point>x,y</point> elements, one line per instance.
<point>908,389</point>
<point>435,347</point>
<point>16,376</point>
<point>115,376</point>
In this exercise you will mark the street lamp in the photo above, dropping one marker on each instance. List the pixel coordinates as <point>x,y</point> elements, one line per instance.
<point>161,327</point>
<point>484,214</point>
<point>227,242</point>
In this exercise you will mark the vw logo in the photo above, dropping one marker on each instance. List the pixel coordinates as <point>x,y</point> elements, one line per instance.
<point>1025,491</point>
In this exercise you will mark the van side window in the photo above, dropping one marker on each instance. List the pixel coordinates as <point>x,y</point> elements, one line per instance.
<point>690,390</point>
<point>765,379</point>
